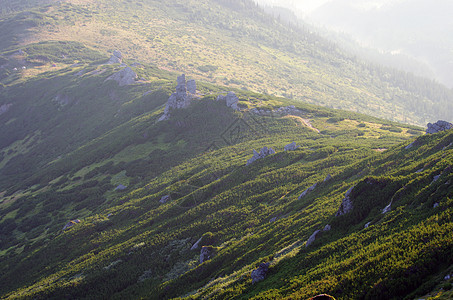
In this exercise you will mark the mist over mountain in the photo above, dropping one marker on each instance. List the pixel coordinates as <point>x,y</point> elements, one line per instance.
<point>420,30</point>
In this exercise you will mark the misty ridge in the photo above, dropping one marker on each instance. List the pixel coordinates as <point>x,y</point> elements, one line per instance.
<point>225,149</point>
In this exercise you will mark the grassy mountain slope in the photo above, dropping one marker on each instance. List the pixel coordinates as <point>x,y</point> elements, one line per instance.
<point>135,246</point>
<point>70,136</point>
<point>234,43</point>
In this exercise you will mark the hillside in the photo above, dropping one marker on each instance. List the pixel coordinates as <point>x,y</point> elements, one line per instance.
<point>233,44</point>
<point>140,242</point>
<point>122,179</point>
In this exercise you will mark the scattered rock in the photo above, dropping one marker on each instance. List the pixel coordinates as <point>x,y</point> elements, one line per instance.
<point>182,98</point>
<point>328,178</point>
<point>327,228</point>
<point>195,246</point>
<point>260,273</point>
<point>310,189</point>
<point>436,205</point>
<point>71,223</point>
<point>124,77</point>
<point>438,127</point>
<point>346,206</point>
<point>120,188</point>
<point>165,199</point>
<point>387,208</point>
<point>116,58</point>
<point>410,146</point>
<point>112,264</point>
<point>4,108</point>
<point>291,147</point>
<point>231,100</point>
<point>436,178</point>
<point>367,224</point>
<point>312,238</point>
<point>263,153</point>
<point>207,252</point>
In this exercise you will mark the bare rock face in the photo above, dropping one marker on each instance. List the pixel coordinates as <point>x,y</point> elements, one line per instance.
<point>346,206</point>
<point>260,273</point>
<point>263,153</point>
<point>182,98</point>
<point>438,127</point>
<point>291,147</point>
<point>124,77</point>
<point>116,58</point>
<point>231,100</point>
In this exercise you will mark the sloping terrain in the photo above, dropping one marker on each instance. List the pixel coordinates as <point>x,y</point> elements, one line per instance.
<point>100,199</point>
<point>235,44</point>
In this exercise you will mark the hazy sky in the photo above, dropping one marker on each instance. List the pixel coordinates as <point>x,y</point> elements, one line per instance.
<point>307,6</point>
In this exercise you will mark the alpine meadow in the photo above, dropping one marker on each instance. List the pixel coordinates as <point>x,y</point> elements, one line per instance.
<point>213,149</point>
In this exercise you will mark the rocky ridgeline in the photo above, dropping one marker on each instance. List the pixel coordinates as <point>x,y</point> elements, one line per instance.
<point>438,127</point>
<point>182,98</point>
<point>263,153</point>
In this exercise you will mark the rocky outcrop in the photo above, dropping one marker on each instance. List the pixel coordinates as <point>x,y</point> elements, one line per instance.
<point>182,98</point>
<point>120,188</point>
<point>260,273</point>
<point>346,206</point>
<point>231,100</point>
<point>387,208</point>
<point>328,178</point>
<point>197,243</point>
<point>310,189</point>
<point>263,153</point>
<point>438,127</point>
<point>71,223</point>
<point>116,58</point>
<point>191,87</point>
<point>291,147</point>
<point>126,76</point>
<point>4,108</point>
<point>164,199</point>
<point>312,238</point>
<point>207,252</point>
